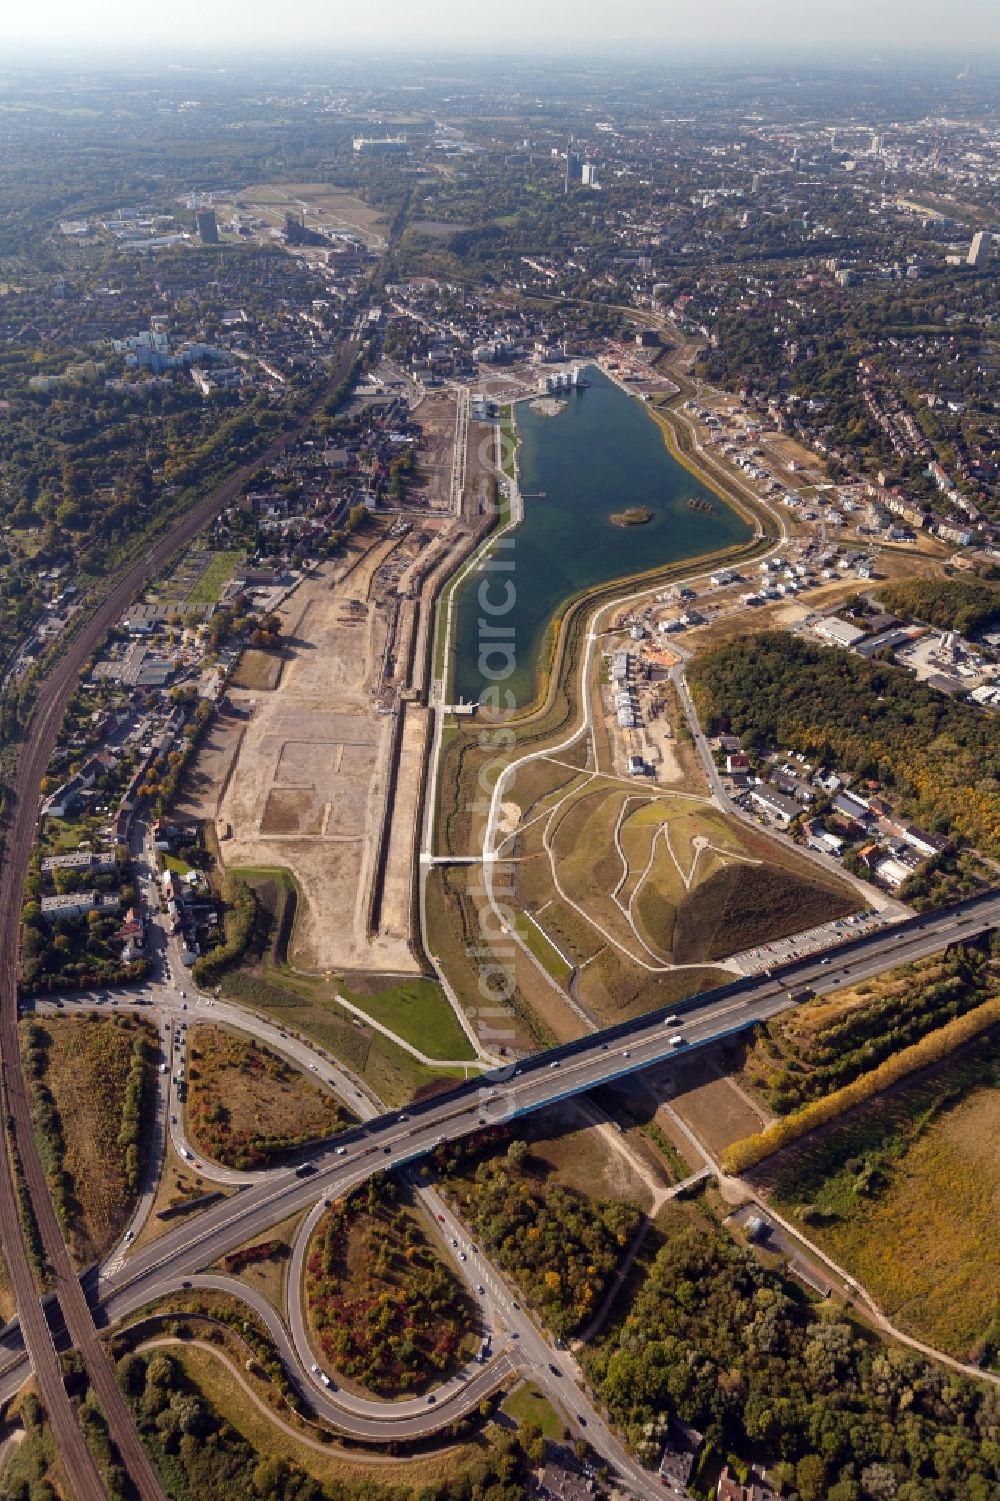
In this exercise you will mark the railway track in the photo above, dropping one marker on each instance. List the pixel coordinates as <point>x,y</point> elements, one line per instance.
<point>39,740</point>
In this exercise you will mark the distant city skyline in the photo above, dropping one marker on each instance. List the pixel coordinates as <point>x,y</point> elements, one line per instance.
<point>858,26</point>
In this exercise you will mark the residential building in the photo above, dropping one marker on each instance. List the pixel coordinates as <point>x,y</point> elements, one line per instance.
<point>731,1489</point>
<point>679,1454</point>
<point>84,860</point>
<point>76,904</point>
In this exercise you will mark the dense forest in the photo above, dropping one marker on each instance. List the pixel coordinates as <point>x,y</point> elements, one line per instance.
<point>722,1342</point>
<point>202,1458</point>
<point>951,604</point>
<point>941,758</point>
<point>388,1312</point>
<point>560,1245</point>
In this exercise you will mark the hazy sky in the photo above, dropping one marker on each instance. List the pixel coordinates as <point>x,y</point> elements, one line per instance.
<point>512,25</point>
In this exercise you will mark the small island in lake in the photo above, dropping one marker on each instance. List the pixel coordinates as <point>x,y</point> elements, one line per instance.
<point>634,516</point>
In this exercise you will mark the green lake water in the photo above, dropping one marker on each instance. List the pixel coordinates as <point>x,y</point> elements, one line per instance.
<point>600,455</point>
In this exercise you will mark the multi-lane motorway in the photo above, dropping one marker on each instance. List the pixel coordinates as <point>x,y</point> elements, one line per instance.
<point>399,1138</point>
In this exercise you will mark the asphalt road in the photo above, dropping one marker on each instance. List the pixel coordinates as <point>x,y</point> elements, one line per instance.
<point>399,1138</point>
<point>39,739</point>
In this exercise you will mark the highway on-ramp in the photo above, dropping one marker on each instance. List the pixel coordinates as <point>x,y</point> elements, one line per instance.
<point>399,1138</point>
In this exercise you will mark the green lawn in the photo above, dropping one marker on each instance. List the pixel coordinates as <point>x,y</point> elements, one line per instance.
<point>215,578</point>
<point>178,866</point>
<point>418,1012</point>
<point>543,949</point>
<point>308,1005</point>
<point>528,1405</point>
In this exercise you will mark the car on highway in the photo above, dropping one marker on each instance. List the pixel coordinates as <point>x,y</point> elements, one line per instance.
<point>677,1041</point>
<point>341,1151</point>
<point>554,1369</point>
<point>481,1290</point>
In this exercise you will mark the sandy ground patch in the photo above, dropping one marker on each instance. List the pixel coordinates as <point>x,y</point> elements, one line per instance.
<point>510,817</point>
<point>394,924</point>
<point>308,785</point>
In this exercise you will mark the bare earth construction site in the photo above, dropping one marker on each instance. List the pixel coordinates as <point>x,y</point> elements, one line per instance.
<point>326,776</point>
<point>318,767</point>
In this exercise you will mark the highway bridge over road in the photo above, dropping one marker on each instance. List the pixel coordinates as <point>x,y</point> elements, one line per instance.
<point>399,1138</point>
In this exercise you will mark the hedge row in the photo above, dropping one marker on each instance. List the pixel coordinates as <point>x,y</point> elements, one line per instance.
<point>128,1135</point>
<point>750,1150</point>
<point>241,911</point>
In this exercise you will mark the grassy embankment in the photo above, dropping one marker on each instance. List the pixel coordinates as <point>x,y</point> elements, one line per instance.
<point>415,1009</point>
<point>221,1382</point>
<point>527,1405</point>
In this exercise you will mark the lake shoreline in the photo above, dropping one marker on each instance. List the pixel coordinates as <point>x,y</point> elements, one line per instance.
<point>599,450</point>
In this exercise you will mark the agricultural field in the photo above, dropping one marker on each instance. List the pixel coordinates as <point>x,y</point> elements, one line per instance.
<point>827,1042</point>
<point>904,1193</point>
<point>385,1310</point>
<point>91,1083</point>
<point>246,1105</point>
